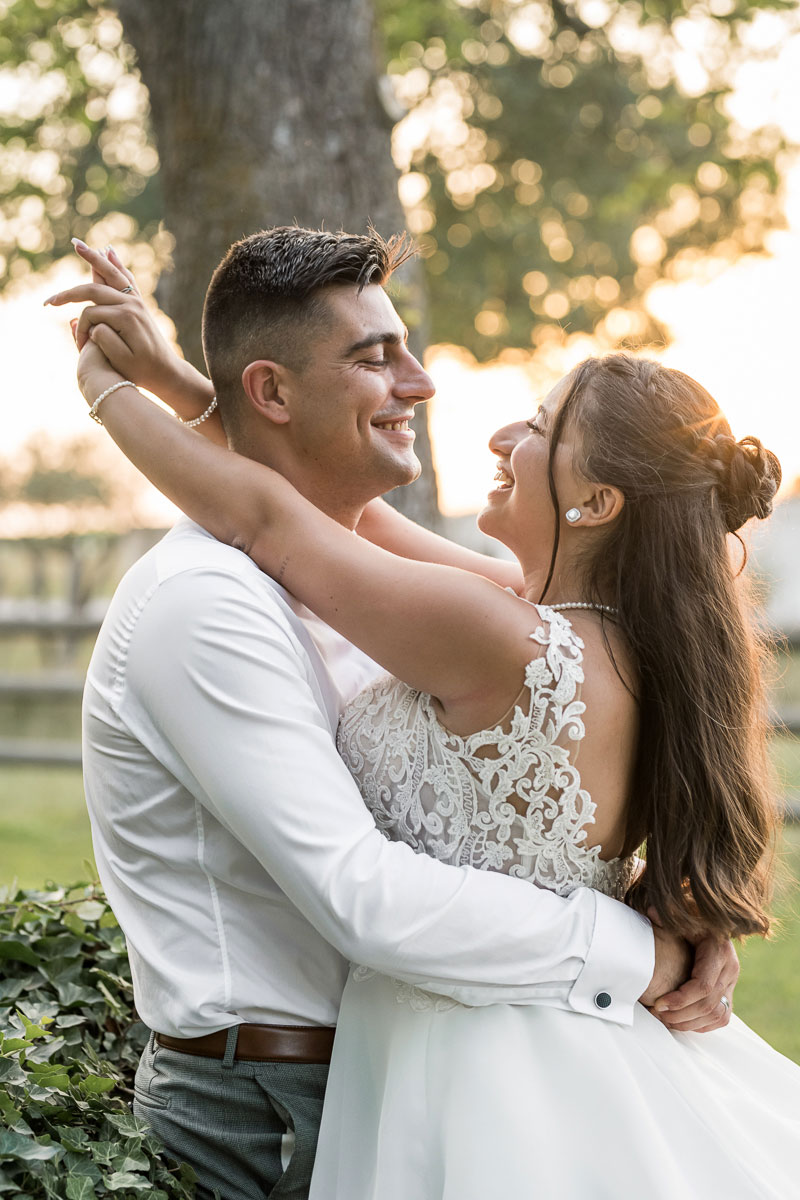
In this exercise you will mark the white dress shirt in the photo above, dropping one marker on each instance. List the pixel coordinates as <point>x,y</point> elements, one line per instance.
<point>234,846</point>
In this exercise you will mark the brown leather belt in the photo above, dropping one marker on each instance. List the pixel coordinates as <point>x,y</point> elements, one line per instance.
<point>261,1043</point>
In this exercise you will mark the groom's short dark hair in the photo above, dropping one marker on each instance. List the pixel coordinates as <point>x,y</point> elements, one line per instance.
<point>264,299</point>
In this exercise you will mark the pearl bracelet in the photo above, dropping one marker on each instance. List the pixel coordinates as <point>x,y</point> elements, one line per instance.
<point>127,383</point>
<point>114,387</point>
<point>203,416</point>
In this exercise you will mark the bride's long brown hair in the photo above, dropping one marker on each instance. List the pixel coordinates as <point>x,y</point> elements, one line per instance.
<point>701,801</point>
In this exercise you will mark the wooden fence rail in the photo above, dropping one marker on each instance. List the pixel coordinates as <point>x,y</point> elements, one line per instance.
<point>51,620</point>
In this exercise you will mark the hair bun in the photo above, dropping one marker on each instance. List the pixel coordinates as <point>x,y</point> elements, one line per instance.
<point>749,475</point>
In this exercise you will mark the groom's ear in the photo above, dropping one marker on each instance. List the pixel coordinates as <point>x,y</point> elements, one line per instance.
<point>264,383</point>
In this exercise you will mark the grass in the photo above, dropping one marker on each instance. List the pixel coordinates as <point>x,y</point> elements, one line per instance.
<point>44,828</point>
<point>768,995</point>
<point>44,834</point>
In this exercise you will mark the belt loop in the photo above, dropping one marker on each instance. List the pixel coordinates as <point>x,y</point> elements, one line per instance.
<point>152,1042</point>
<point>230,1046</point>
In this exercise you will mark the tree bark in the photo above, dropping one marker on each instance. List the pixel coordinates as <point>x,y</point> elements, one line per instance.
<point>269,114</point>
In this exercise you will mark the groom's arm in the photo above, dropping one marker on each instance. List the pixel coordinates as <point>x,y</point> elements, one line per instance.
<point>224,684</point>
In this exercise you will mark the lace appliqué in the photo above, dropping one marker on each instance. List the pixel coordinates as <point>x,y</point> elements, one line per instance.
<point>505,799</point>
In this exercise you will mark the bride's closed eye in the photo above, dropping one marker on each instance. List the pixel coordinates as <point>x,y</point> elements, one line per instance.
<point>534,428</point>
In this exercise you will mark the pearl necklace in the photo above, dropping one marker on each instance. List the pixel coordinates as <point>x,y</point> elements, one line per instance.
<point>601,608</point>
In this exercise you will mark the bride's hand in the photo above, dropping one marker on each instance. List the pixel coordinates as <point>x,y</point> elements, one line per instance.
<point>698,1005</point>
<point>128,334</point>
<point>95,372</point>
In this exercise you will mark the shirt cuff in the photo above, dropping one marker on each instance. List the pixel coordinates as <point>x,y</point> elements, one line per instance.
<point>618,966</point>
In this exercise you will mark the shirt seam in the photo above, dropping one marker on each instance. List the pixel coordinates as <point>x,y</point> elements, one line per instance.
<point>218,921</point>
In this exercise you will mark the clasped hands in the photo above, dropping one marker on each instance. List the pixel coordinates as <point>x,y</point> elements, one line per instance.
<point>126,338</point>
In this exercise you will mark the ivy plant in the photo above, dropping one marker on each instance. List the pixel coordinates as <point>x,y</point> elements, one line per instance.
<point>70,1040</point>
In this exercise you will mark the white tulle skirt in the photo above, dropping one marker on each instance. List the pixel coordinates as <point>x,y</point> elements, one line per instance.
<point>530,1103</point>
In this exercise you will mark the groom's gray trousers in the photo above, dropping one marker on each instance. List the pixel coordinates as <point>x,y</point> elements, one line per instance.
<point>249,1129</point>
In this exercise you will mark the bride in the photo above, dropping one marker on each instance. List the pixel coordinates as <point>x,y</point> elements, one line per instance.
<point>614,703</point>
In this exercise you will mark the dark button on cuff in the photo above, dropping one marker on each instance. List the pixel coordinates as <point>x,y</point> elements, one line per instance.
<point>602,1000</point>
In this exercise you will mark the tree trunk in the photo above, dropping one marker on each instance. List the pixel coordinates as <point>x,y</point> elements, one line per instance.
<point>266,114</point>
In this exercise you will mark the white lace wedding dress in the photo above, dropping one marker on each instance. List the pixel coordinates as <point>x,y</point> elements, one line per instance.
<point>430,1100</point>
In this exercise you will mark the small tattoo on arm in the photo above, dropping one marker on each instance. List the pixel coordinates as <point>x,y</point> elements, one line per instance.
<point>282,569</point>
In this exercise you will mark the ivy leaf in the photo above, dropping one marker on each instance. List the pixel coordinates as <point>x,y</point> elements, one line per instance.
<point>13,986</point>
<point>74,924</point>
<point>89,910</point>
<point>113,1002</point>
<point>104,1152</point>
<point>128,1124</point>
<point>80,1189</point>
<point>41,1013</point>
<point>44,1051</point>
<point>70,1020</point>
<point>133,1158</point>
<point>187,1174</point>
<point>9,1044</point>
<point>11,1073</point>
<point>125,1179</point>
<point>7,1184</point>
<point>19,952</point>
<point>94,1085</point>
<point>74,993</point>
<point>72,1138</point>
<point>79,1166</point>
<point>46,1092</point>
<point>26,1149</point>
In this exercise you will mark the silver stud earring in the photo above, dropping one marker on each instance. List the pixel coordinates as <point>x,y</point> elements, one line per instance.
<point>573,515</point>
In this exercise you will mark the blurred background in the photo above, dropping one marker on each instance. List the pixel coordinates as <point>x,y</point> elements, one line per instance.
<point>579,176</point>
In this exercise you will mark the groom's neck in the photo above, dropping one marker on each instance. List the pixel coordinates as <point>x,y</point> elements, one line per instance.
<point>323,489</point>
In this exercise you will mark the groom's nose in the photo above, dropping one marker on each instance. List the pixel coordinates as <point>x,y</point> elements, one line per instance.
<point>413,382</point>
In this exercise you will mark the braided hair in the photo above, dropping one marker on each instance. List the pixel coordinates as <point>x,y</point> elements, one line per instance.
<point>701,802</point>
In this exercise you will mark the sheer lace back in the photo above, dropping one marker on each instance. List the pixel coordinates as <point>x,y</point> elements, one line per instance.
<point>504,799</point>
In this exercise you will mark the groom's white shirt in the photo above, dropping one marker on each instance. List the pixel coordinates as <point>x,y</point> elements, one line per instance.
<point>235,848</point>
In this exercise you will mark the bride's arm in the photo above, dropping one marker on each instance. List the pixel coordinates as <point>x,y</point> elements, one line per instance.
<point>385,526</point>
<point>438,628</point>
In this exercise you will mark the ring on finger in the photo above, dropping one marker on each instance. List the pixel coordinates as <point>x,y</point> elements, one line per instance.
<point>726,1004</point>
<point>129,288</point>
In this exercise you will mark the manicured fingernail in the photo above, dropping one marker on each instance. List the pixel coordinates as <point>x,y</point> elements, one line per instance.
<point>78,242</point>
<point>659,1008</point>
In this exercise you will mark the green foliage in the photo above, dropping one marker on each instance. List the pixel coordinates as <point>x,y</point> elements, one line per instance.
<point>76,144</point>
<point>69,1044</point>
<point>561,169</point>
<point>558,168</point>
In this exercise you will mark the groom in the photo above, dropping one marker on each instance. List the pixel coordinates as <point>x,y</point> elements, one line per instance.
<point>233,844</point>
